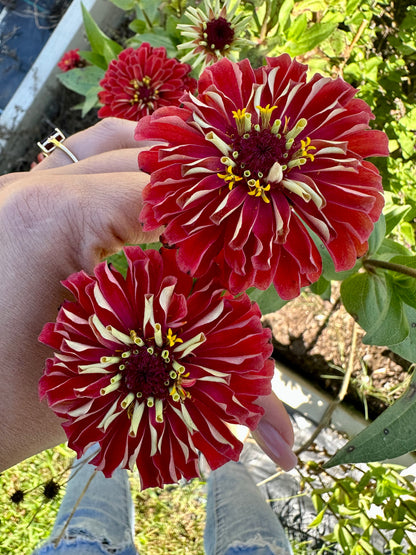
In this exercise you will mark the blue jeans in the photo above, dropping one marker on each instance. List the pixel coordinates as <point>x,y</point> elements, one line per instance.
<point>239,521</point>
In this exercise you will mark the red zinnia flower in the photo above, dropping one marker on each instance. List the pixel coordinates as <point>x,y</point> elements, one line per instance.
<point>252,163</point>
<point>140,81</point>
<point>153,366</point>
<point>71,60</point>
<point>214,33</point>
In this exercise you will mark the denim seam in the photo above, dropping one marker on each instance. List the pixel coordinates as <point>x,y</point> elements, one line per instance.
<point>258,542</point>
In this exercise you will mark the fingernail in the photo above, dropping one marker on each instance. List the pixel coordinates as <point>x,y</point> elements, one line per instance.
<point>274,445</point>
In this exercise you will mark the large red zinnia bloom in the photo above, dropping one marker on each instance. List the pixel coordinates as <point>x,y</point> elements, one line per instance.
<point>254,162</point>
<point>152,367</point>
<point>141,80</point>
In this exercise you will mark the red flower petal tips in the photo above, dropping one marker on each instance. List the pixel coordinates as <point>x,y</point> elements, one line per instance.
<point>141,80</point>
<point>153,366</point>
<point>255,161</point>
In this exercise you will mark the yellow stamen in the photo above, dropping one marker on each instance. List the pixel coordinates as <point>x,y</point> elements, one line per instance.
<point>265,114</point>
<point>230,177</point>
<point>305,147</point>
<point>258,190</point>
<point>242,120</point>
<point>172,339</point>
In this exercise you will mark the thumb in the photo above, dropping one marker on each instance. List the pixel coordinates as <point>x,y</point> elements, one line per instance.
<point>105,213</point>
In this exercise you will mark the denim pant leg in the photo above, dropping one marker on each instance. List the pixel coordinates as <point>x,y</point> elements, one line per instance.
<point>239,521</point>
<point>103,522</point>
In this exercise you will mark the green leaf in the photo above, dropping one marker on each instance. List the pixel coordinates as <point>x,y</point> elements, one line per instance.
<point>322,287</point>
<point>390,248</point>
<point>81,79</point>
<point>108,53</point>
<point>392,434</point>
<point>371,300</point>
<point>284,14</point>
<point>91,101</point>
<point>377,236</point>
<point>268,301</point>
<point>309,38</point>
<point>138,26</point>
<point>407,348</point>
<point>94,58</point>
<point>404,285</point>
<point>125,5</point>
<point>99,41</point>
<point>395,215</point>
<point>318,519</point>
<point>156,39</point>
<point>407,230</point>
<point>352,6</point>
<point>297,27</point>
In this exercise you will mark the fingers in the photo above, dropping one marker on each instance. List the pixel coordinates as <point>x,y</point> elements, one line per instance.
<point>107,135</point>
<point>119,161</point>
<point>105,214</point>
<point>274,434</point>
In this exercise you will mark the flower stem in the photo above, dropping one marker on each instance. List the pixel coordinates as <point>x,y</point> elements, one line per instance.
<point>371,263</point>
<point>264,27</point>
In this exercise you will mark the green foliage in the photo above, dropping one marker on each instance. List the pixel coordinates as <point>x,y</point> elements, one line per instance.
<point>84,81</point>
<point>373,506</point>
<point>100,43</point>
<point>390,435</point>
<point>268,300</point>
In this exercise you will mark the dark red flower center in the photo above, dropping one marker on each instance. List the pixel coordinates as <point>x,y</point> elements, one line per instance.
<point>147,374</point>
<point>143,92</point>
<point>258,151</point>
<point>219,34</point>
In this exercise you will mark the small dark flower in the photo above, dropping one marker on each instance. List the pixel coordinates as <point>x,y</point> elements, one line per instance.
<point>17,496</point>
<point>51,489</point>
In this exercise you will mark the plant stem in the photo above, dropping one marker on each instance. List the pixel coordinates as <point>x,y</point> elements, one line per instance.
<point>371,263</point>
<point>149,23</point>
<point>61,535</point>
<point>264,27</point>
<point>350,47</point>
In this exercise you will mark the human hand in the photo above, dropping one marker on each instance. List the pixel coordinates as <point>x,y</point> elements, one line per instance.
<point>274,433</point>
<point>55,220</point>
